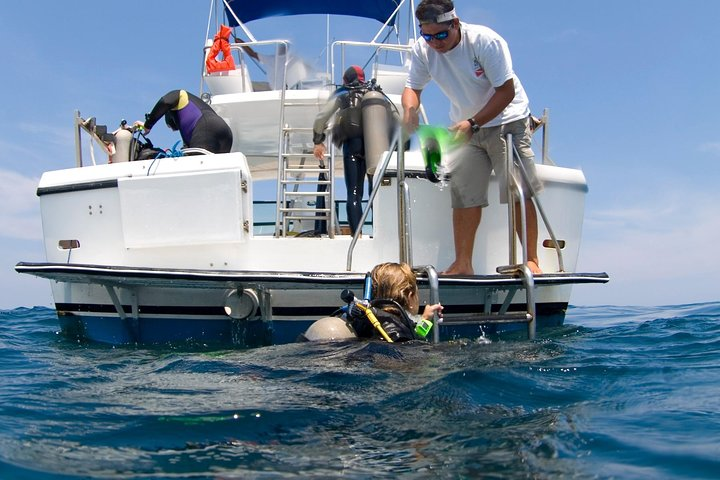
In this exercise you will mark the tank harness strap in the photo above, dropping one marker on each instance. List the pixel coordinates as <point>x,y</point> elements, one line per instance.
<point>373,319</point>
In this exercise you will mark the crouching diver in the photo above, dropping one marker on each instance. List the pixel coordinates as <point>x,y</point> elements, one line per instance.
<point>390,316</point>
<point>199,125</point>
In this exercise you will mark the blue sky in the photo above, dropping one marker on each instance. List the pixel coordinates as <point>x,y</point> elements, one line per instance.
<point>632,88</point>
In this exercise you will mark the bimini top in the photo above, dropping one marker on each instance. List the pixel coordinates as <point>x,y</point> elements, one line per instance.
<point>379,10</point>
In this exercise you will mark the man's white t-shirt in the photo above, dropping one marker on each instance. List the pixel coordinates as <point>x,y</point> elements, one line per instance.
<point>469,73</point>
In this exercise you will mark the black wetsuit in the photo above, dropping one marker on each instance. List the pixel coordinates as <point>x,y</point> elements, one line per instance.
<point>353,145</point>
<point>199,125</point>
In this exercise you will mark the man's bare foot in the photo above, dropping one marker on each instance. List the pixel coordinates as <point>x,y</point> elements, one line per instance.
<point>534,267</point>
<point>458,269</point>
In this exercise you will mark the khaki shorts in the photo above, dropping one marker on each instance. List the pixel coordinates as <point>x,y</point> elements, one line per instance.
<point>470,166</point>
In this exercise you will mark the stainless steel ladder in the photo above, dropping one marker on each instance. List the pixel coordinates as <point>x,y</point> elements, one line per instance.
<point>299,179</point>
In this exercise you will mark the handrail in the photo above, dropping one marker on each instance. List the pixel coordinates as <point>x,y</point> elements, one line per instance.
<point>514,186</point>
<point>199,150</point>
<point>403,201</point>
<point>379,174</point>
<point>541,210</point>
<point>512,155</point>
<point>404,221</point>
<point>434,285</point>
<point>391,47</point>
<point>529,283</point>
<point>545,123</point>
<point>78,140</point>
<point>281,132</point>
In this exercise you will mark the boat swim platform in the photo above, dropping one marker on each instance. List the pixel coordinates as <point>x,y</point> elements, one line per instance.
<point>124,276</point>
<point>148,302</point>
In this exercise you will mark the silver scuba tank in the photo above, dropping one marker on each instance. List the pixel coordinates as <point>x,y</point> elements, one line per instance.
<point>376,129</point>
<point>123,139</point>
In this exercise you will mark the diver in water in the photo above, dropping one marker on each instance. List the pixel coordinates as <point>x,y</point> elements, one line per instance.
<point>391,316</point>
<point>199,125</point>
<point>396,305</point>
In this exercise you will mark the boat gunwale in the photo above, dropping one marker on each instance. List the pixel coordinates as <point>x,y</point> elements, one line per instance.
<point>139,276</point>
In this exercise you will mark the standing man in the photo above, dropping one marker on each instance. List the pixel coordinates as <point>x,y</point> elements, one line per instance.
<point>472,66</point>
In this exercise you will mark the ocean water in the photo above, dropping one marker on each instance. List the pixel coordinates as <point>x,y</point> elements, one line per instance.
<point>618,392</point>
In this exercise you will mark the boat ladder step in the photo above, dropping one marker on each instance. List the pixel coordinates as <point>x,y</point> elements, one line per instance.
<point>304,182</point>
<point>492,318</point>
<point>298,155</point>
<point>300,180</point>
<point>290,129</point>
<point>307,194</point>
<point>304,217</point>
<point>305,210</point>
<point>300,169</point>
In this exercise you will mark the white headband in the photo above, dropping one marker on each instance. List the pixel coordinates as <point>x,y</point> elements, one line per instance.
<point>446,17</point>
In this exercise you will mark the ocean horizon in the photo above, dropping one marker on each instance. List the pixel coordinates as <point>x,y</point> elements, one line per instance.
<point>617,392</point>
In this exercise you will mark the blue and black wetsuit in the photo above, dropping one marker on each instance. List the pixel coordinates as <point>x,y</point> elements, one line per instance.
<point>199,125</point>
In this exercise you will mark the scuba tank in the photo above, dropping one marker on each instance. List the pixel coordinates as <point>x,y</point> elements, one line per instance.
<point>123,140</point>
<point>376,128</point>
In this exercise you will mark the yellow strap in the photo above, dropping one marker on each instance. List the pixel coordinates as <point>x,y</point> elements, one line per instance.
<point>373,319</point>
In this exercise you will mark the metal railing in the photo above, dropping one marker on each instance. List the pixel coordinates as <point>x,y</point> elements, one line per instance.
<point>514,190</point>
<point>434,286</point>
<point>378,176</point>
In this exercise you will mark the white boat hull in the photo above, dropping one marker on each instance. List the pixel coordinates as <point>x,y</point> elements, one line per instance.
<point>171,238</point>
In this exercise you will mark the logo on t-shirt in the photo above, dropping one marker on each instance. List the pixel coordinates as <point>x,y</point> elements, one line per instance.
<point>479,70</point>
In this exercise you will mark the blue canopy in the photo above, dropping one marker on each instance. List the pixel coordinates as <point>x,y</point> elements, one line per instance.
<point>247,11</point>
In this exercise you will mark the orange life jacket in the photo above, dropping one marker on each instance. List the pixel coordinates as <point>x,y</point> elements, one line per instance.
<point>220,44</point>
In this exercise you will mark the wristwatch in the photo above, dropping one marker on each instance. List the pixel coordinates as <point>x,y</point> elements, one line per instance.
<point>473,125</point>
